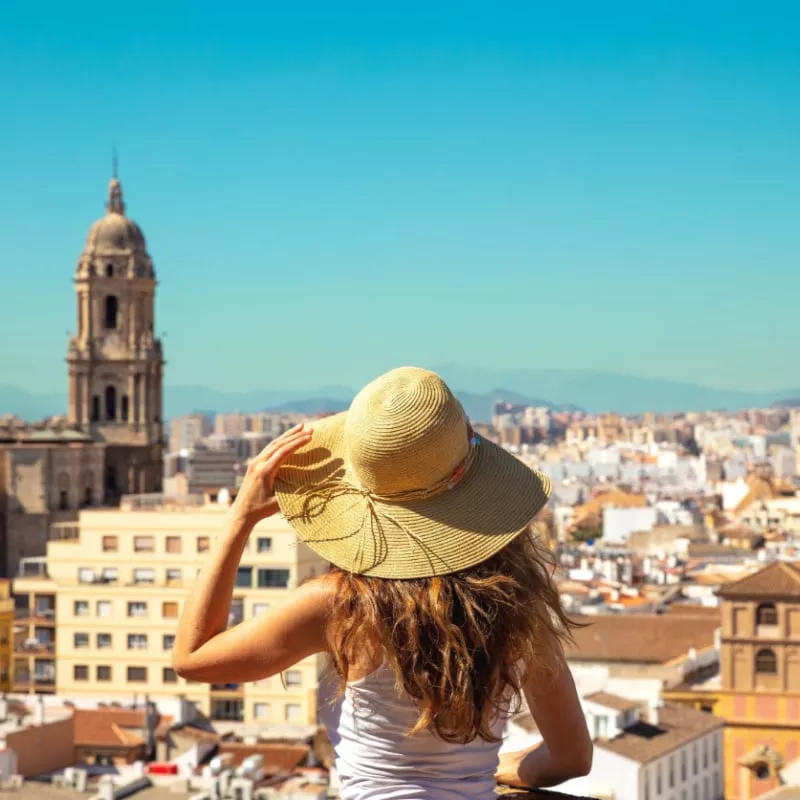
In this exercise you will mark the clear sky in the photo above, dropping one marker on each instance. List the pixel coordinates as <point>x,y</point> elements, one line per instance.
<point>330,189</point>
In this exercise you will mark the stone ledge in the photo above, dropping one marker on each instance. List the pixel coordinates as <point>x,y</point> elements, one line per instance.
<point>535,794</point>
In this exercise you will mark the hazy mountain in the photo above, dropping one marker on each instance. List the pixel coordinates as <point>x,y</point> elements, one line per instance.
<point>476,388</point>
<point>607,391</point>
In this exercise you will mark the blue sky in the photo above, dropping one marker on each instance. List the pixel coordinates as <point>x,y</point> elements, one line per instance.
<point>330,190</point>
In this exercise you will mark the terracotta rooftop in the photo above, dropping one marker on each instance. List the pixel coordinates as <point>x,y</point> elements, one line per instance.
<point>277,757</point>
<point>781,579</point>
<point>612,701</point>
<point>692,610</point>
<point>677,725</point>
<point>640,638</point>
<point>111,727</point>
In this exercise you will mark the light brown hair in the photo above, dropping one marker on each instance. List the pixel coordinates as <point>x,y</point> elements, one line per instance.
<point>455,642</point>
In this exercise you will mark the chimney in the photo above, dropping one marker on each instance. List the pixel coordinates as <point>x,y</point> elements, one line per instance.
<point>40,715</point>
<point>150,714</point>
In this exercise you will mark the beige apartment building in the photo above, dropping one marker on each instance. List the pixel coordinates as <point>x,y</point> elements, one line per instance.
<point>117,581</point>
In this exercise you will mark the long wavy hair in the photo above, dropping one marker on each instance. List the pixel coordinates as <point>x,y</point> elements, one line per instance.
<point>458,644</point>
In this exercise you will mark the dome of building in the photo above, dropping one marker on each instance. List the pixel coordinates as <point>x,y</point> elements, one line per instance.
<point>115,233</point>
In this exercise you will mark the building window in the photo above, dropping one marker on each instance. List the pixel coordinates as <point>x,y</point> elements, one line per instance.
<point>109,270</point>
<point>123,408</point>
<point>766,663</point>
<point>168,641</point>
<point>103,673</point>
<point>645,785</point>
<point>264,544</point>
<point>80,672</point>
<point>174,576</point>
<point>232,710</point>
<point>112,312</point>
<point>80,640</point>
<point>103,608</point>
<point>244,577</point>
<point>63,500</point>
<point>261,710</point>
<point>111,403</point>
<point>600,726</point>
<point>137,674</point>
<point>294,677</point>
<point>671,771</point>
<point>81,608</point>
<point>174,544</point>
<point>705,753</point>
<point>766,614</point>
<point>143,544</point>
<point>694,759</point>
<point>658,779</point>
<point>294,712</point>
<point>273,578</point>
<point>203,544</point>
<point>144,575</point>
<point>706,787</point>
<point>169,609</point>
<point>715,749</point>
<point>168,675</point>
<point>137,608</point>
<point>85,575</point>
<point>109,574</point>
<point>137,641</point>
<point>683,765</point>
<point>696,792</point>
<point>110,544</point>
<point>95,408</point>
<point>103,641</point>
<point>260,608</point>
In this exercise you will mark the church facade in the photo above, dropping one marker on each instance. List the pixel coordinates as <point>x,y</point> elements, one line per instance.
<point>110,442</point>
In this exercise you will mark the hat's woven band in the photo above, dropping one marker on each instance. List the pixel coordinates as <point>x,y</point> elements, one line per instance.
<point>318,496</point>
<point>435,489</point>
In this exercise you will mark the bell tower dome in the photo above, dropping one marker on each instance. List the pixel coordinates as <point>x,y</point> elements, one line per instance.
<point>115,361</point>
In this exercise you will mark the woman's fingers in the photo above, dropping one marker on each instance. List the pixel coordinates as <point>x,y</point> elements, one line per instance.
<point>287,436</point>
<point>281,453</point>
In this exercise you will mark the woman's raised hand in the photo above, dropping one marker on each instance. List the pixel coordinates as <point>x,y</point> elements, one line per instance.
<point>256,499</point>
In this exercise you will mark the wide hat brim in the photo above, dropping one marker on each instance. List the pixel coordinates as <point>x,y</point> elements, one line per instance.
<point>493,503</point>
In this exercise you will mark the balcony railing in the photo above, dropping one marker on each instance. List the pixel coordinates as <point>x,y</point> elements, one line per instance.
<point>227,688</point>
<point>33,567</point>
<point>42,616</point>
<point>31,647</point>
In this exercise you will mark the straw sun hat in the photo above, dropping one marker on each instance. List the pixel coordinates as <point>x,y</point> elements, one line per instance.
<point>400,487</point>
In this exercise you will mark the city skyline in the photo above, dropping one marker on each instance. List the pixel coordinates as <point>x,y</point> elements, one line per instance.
<point>341,195</point>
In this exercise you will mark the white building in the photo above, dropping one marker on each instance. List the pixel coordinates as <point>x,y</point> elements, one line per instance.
<point>642,751</point>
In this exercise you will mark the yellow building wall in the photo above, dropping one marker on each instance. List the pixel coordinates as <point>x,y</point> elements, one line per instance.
<point>752,720</point>
<point>6,635</point>
<point>120,583</point>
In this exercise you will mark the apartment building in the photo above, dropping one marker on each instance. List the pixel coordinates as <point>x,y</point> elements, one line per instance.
<point>118,580</point>
<point>6,633</point>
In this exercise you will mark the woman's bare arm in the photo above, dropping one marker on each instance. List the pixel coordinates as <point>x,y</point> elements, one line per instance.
<point>268,644</point>
<point>566,748</point>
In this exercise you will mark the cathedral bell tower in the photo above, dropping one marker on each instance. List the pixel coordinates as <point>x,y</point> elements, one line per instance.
<point>115,361</point>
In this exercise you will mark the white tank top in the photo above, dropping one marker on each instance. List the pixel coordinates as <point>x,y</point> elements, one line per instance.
<point>376,759</point>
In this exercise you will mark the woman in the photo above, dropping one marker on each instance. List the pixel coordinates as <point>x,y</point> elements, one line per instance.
<point>438,613</point>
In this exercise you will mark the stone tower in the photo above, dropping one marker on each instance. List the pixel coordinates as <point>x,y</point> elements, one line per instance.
<point>115,361</point>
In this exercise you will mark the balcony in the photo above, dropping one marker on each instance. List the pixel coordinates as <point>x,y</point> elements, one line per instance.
<point>33,567</point>
<point>39,616</point>
<point>64,532</point>
<point>39,682</point>
<point>227,689</point>
<point>33,647</point>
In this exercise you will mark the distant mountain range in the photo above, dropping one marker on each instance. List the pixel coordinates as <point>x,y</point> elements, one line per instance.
<point>476,388</point>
